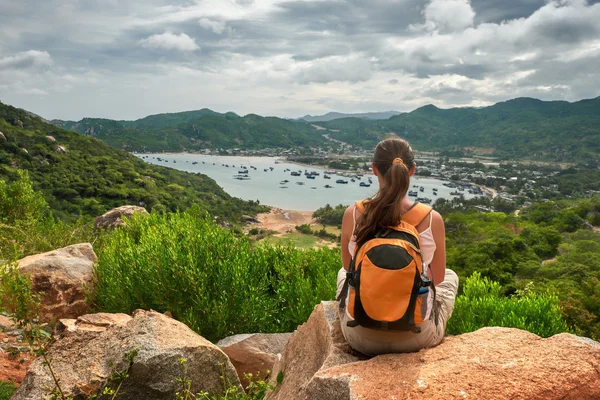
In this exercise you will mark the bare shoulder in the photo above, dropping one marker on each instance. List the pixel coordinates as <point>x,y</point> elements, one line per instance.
<point>437,221</point>
<point>436,216</point>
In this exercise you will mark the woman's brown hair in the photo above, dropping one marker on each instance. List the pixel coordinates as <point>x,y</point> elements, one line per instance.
<point>393,159</point>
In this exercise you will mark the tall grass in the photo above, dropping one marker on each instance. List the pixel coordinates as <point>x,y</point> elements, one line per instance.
<point>215,281</point>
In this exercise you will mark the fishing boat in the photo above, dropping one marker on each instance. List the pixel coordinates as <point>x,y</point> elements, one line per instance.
<point>326,177</point>
<point>364,184</point>
<point>243,171</point>
<point>352,180</point>
<point>295,173</point>
<point>412,193</point>
<point>283,182</point>
<point>421,189</point>
<point>341,181</point>
<point>299,183</point>
<point>310,176</point>
<point>328,187</point>
<point>424,200</point>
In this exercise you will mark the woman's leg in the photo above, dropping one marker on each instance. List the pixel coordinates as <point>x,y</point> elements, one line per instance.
<point>445,296</point>
<point>341,277</point>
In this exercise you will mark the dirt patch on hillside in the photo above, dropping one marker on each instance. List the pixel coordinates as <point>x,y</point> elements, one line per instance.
<point>481,150</point>
<point>282,221</point>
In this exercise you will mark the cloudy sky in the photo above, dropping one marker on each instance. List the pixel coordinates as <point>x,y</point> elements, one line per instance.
<point>125,59</point>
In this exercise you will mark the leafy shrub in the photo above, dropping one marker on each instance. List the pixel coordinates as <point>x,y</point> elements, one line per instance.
<point>216,282</point>
<point>16,296</point>
<point>481,304</point>
<point>27,226</point>
<point>304,228</point>
<point>6,390</point>
<point>330,215</point>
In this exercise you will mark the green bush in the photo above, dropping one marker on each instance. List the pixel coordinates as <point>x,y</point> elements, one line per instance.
<point>6,390</point>
<point>27,225</point>
<point>330,215</point>
<point>216,282</point>
<point>482,304</point>
<point>304,228</point>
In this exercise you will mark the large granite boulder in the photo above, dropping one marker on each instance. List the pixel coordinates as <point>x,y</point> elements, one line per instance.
<point>87,347</point>
<point>62,277</point>
<point>491,363</point>
<point>254,353</point>
<point>316,345</point>
<point>115,217</point>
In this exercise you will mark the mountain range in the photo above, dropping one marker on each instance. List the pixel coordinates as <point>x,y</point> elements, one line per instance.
<point>514,129</point>
<point>336,115</point>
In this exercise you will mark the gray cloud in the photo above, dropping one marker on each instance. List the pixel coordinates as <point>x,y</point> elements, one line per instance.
<point>144,56</point>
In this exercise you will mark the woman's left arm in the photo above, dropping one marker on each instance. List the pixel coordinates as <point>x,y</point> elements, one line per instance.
<point>438,263</point>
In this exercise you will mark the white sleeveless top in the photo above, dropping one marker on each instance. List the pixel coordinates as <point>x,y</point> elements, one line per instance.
<point>427,251</point>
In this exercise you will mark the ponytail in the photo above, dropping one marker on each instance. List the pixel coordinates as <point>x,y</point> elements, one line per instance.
<point>393,159</point>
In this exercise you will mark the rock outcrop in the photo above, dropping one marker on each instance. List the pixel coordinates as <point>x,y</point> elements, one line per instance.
<point>2,137</point>
<point>62,278</point>
<point>317,345</point>
<point>61,149</point>
<point>115,217</point>
<point>491,363</point>
<point>254,353</point>
<point>86,348</point>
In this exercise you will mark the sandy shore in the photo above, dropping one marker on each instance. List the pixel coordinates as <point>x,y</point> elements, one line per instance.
<point>283,221</point>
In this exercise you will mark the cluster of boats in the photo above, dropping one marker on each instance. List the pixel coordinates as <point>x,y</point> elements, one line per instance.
<point>327,175</point>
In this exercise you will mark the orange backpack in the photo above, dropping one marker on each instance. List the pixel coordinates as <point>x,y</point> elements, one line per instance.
<point>385,284</point>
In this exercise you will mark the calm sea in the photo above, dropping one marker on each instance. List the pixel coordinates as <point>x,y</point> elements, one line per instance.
<point>265,183</point>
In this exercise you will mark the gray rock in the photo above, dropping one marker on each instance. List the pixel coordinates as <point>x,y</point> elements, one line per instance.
<point>116,217</point>
<point>254,353</point>
<point>81,359</point>
<point>62,277</point>
<point>2,137</point>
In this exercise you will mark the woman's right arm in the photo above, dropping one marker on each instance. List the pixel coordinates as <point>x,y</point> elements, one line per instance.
<point>347,228</point>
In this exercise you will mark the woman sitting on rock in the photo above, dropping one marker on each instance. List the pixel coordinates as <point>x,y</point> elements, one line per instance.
<point>399,295</point>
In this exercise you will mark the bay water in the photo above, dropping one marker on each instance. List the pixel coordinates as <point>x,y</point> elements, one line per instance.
<point>265,181</point>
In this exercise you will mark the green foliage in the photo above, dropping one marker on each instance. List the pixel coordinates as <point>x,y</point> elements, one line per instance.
<point>91,177</point>
<point>481,304</point>
<point>304,228</point>
<point>195,130</point>
<point>6,390</point>
<point>515,129</point>
<point>16,296</point>
<point>216,282</point>
<point>330,215</point>
<point>27,226</point>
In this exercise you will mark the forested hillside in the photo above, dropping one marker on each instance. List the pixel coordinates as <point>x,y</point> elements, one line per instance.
<point>195,130</point>
<point>522,128</point>
<point>515,129</point>
<point>80,175</point>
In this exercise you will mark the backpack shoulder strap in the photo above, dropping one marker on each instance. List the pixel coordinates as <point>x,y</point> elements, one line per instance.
<point>416,214</point>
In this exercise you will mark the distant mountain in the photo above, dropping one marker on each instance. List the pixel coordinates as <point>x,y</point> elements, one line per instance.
<point>80,175</point>
<point>516,129</point>
<point>193,130</point>
<point>335,115</point>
